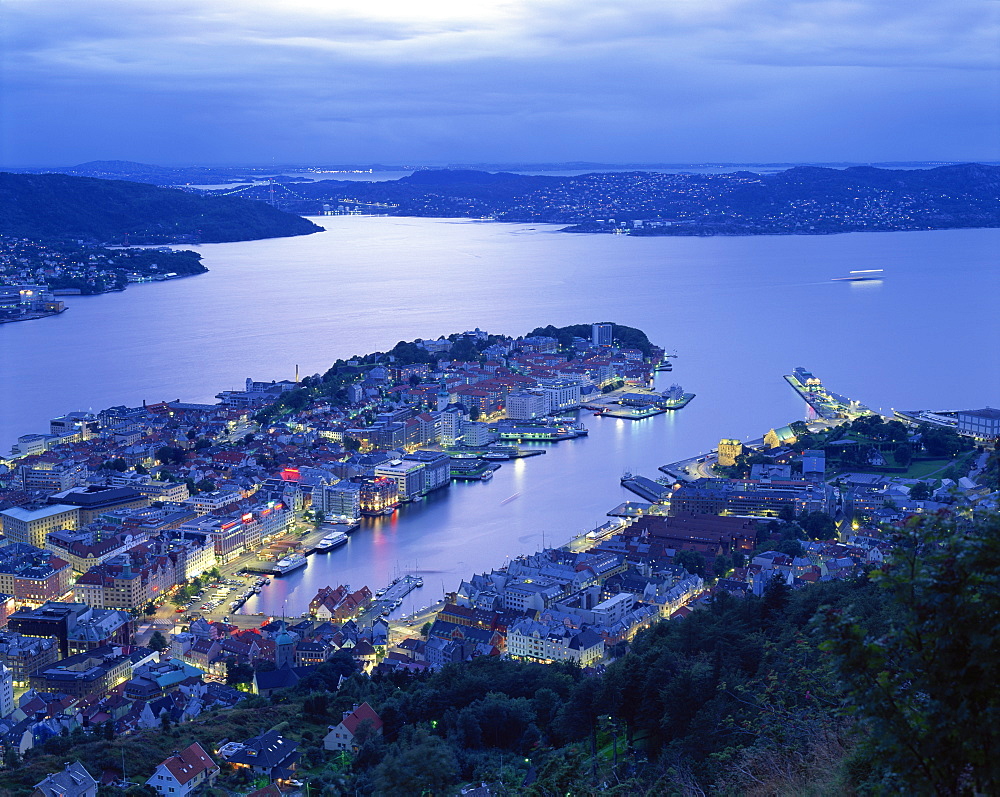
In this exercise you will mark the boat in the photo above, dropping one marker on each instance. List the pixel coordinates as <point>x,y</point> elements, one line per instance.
<point>487,475</point>
<point>331,541</point>
<point>864,275</point>
<point>289,564</point>
<point>419,582</point>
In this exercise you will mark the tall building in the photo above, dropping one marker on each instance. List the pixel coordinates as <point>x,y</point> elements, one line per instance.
<point>342,499</point>
<point>6,691</point>
<point>524,406</point>
<point>602,334</point>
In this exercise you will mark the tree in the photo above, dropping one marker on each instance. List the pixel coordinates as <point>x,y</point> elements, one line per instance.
<point>819,526</point>
<point>158,642</point>
<point>141,470</point>
<point>924,688</point>
<point>692,561</point>
<point>921,491</point>
<point>206,486</point>
<point>420,763</point>
<point>903,454</point>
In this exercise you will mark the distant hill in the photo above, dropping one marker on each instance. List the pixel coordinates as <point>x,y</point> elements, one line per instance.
<point>800,200</point>
<point>59,207</point>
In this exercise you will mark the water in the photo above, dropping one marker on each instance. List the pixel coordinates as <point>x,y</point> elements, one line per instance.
<point>739,311</point>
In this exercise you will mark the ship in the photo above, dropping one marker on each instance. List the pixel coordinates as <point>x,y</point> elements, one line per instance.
<point>331,541</point>
<point>289,564</point>
<point>864,275</point>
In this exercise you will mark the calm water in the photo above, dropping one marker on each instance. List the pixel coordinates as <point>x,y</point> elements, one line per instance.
<point>740,312</point>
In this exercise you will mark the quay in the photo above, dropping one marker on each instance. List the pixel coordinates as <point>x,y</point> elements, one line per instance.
<point>646,488</point>
<point>389,598</point>
<point>827,405</point>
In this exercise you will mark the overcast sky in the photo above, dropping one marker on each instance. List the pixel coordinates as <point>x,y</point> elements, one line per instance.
<point>445,81</point>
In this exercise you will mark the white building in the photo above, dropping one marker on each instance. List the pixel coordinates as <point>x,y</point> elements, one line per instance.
<point>560,394</point>
<point>451,427</point>
<point>529,640</point>
<point>32,526</point>
<point>406,474</point>
<point>6,690</point>
<point>602,334</point>
<point>342,499</point>
<point>184,772</point>
<point>524,406</point>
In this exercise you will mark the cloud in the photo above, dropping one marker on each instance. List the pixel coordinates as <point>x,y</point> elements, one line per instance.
<point>446,70</point>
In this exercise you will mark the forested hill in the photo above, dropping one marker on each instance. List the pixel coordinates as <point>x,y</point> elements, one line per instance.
<point>59,207</point>
<point>804,199</point>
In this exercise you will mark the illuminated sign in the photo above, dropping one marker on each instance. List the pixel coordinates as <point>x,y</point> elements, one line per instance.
<point>248,517</point>
<point>290,474</point>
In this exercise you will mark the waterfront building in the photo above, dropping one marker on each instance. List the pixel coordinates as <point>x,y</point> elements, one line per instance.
<point>31,525</point>
<point>407,475</point>
<point>525,406</point>
<point>378,496</point>
<point>602,334</point>
<point>729,450</point>
<point>342,500</point>
<point>783,436</point>
<point>436,472</point>
<point>560,394</point>
<point>84,424</point>
<point>451,426</point>
<point>476,434</point>
<point>981,424</point>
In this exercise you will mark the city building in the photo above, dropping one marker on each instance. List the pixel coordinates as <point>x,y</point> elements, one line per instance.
<point>378,496</point>
<point>50,477</point>
<point>602,334</point>
<point>96,672</point>
<point>6,691</point>
<point>982,424</point>
<point>341,500</point>
<point>436,472</point>
<point>33,576</point>
<point>76,627</point>
<point>270,755</point>
<point>93,500</point>
<point>407,475</point>
<point>22,655</point>
<point>525,406</point>
<point>729,450</point>
<point>31,525</point>
<point>184,772</point>
<point>530,640</point>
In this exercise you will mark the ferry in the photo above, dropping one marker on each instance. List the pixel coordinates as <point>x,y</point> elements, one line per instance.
<point>487,475</point>
<point>331,541</point>
<point>289,564</point>
<point>864,275</point>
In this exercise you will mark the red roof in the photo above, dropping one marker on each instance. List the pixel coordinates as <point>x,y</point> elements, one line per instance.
<point>189,763</point>
<point>363,712</point>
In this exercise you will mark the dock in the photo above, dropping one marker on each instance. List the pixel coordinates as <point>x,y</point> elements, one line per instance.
<point>390,598</point>
<point>635,509</point>
<point>827,405</point>
<point>646,488</point>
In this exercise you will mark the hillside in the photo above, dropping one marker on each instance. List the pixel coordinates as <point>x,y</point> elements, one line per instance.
<point>59,207</point>
<point>800,200</point>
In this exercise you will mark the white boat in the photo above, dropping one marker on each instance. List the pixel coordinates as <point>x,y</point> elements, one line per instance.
<point>331,541</point>
<point>487,475</point>
<point>289,563</point>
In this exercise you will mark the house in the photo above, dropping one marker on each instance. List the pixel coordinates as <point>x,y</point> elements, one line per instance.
<point>341,737</point>
<point>270,755</point>
<point>184,772</point>
<point>73,781</point>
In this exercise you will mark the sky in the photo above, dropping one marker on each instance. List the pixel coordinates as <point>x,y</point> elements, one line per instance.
<point>216,82</point>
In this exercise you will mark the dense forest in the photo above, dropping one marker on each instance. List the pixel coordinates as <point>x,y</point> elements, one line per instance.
<point>60,207</point>
<point>882,685</point>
